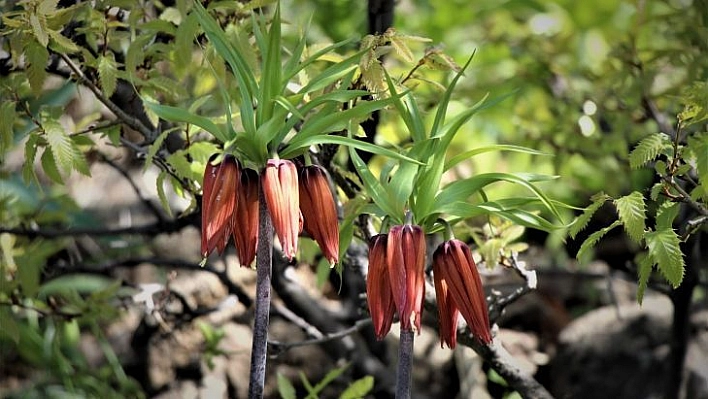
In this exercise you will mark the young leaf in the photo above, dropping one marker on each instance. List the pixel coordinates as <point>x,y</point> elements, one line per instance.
<point>36,57</point>
<point>107,74</point>
<point>285,388</point>
<point>665,251</point>
<point>359,388</point>
<point>666,214</point>
<point>644,266</point>
<point>582,221</point>
<point>593,239</point>
<point>631,213</point>
<point>648,149</point>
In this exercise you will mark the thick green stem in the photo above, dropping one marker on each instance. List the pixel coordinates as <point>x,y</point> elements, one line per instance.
<point>264,267</point>
<point>404,378</point>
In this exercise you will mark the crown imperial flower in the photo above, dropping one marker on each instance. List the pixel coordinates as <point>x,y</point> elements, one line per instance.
<point>319,211</point>
<point>219,200</point>
<point>244,223</point>
<point>460,288</point>
<point>405,257</point>
<point>281,194</point>
<point>378,287</point>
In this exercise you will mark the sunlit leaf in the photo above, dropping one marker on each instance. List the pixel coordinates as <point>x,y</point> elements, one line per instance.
<point>590,242</point>
<point>648,149</point>
<point>359,388</point>
<point>631,213</point>
<point>582,221</point>
<point>665,251</point>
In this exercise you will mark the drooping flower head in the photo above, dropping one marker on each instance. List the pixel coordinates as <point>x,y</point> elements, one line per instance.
<point>405,257</point>
<point>319,211</point>
<point>454,267</point>
<point>244,222</point>
<point>378,287</point>
<point>447,311</point>
<point>219,200</point>
<point>281,194</point>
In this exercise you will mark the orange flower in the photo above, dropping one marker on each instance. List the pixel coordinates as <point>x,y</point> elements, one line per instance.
<point>319,211</point>
<point>378,287</point>
<point>281,195</point>
<point>244,222</point>
<point>405,257</point>
<point>218,203</point>
<point>447,311</point>
<point>454,267</point>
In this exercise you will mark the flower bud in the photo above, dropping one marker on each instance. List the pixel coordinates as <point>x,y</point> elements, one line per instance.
<point>218,203</point>
<point>378,287</point>
<point>319,211</point>
<point>281,195</point>
<point>447,312</point>
<point>453,266</point>
<point>244,222</point>
<point>405,257</point>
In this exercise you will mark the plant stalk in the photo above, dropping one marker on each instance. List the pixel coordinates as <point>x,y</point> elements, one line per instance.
<point>264,269</point>
<point>404,378</point>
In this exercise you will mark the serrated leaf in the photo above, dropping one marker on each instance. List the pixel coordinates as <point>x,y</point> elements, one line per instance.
<point>631,213</point>
<point>60,144</point>
<point>285,388</point>
<point>582,221</point>
<point>435,59</point>
<point>38,29</point>
<point>7,118</point>
<point>47,7</point>
<point>107,73</point>
<point>37,57</point>
<point>62,43</point>
<point>359,388</point>
<point>644,267</point>
<point>590,242</point>
<point>28,173</point>
<point>666,214</point>
<point>648,149</point>
<point>402,48</point>
<point>49,166</point>
<point>665,251</point>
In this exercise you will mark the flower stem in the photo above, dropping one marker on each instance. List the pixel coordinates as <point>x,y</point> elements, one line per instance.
<point>264,266</point>
<point>404,378</point>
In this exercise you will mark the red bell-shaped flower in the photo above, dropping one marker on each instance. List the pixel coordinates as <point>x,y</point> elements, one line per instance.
<point>405,257</point>
<point>319,211</point>
<point>244,222</point>
<point>378,287</point>
<point>454,267</point>
<point>447,312</point>
<point>219,200</point>
<point>281,194</point>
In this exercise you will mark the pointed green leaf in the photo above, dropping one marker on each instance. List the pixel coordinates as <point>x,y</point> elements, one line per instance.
<point>160,182</point>
<point>582,221</point>
<point>590,242</point>
<point>107,73</point>
<point>373,187</point>
<point>49,166</point>
<point>28,173</point>
<point>8,118</point>
<point>443,105</point>
<point>462,189</point>
<point>359,388</point>
<point>666,214</point>
<point>631,213</point>
<point>665,251</point>
<point>285,388</point>
<point>648,149</point>
<point>37,57</point>
<point>38,29</point>
<point>175,114</point>
<point>644,267</point>
<point>290,152</point>
<point>271,84</point>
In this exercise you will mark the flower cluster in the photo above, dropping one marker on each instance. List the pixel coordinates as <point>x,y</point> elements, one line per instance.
<point>396,283</point>
<point>294,199</point>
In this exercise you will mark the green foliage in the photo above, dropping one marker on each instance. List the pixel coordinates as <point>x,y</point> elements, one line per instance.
<point>648,149</point>
<point>357,389</point>
<point>665,253</point>
<point>630,209</point>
